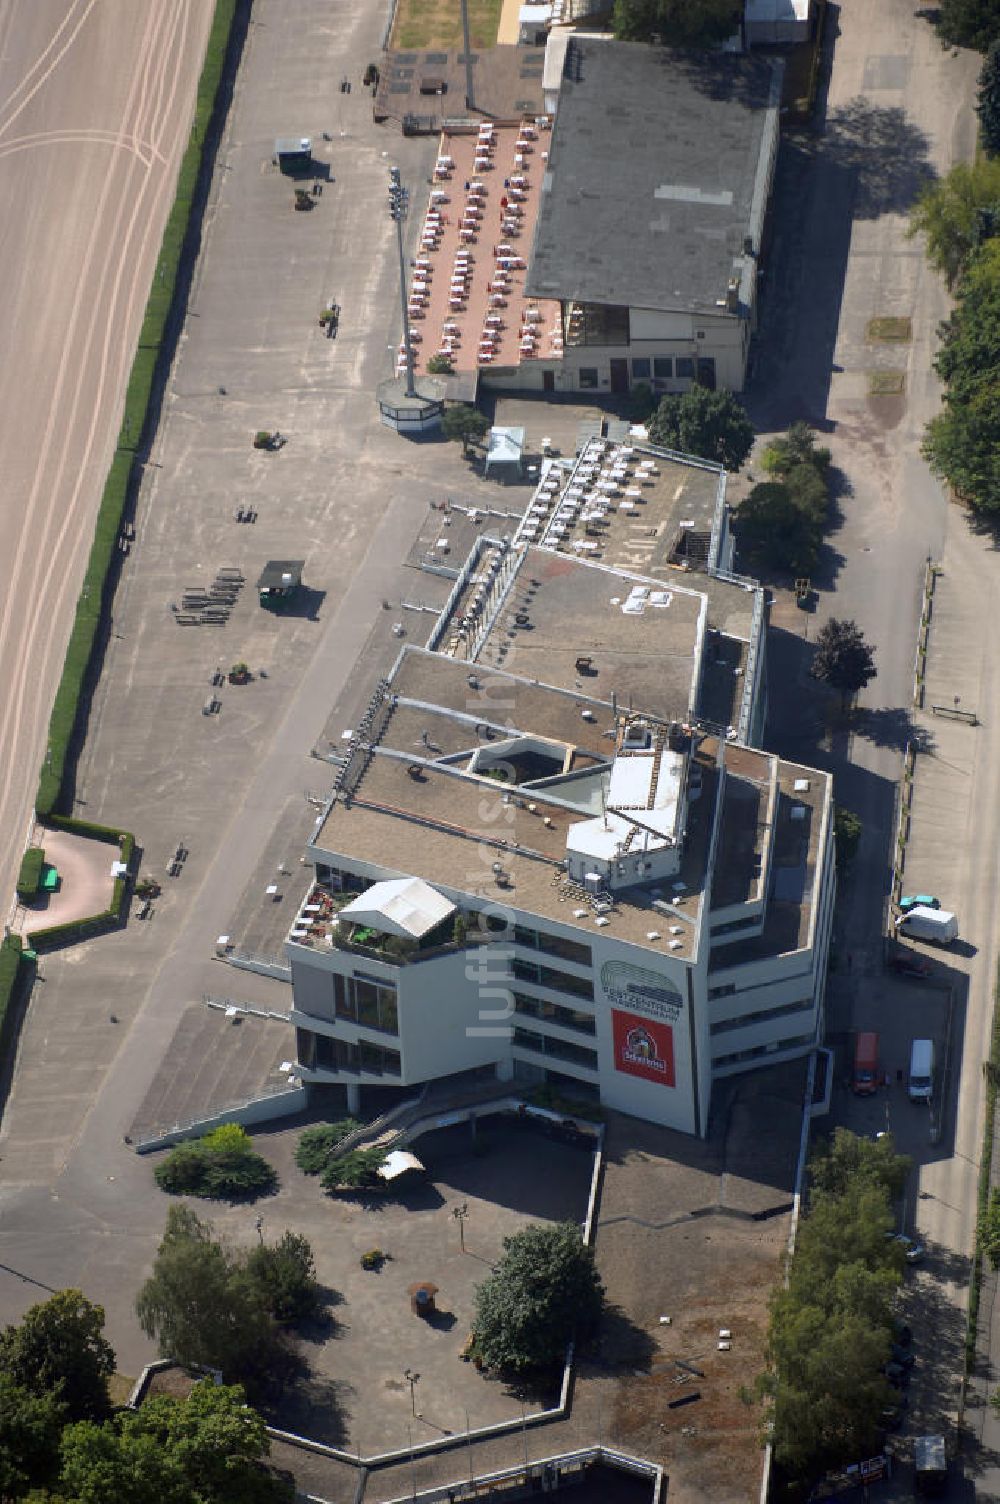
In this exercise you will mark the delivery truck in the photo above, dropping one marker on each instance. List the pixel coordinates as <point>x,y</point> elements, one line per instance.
<point>864,1080</point>
<point>935,925</point>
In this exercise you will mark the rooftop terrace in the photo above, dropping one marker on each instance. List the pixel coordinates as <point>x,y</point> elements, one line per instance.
<point>632,506</point>
<point>467,300</point>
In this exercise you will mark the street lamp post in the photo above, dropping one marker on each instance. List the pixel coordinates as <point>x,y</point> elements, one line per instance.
<point>411,1378</point>
<point>399,198</point>
<point>460,1213</point>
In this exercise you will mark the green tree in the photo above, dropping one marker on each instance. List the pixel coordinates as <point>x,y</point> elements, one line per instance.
<point>285,1275</point>
<point>466,425</point>
<point>60,1349</point>
<point>988,102</point>
<point>962,444</point>
<point>796,447</point>
<point>950,213</point>
<point>206,1449</point>
<point>202,1307</point>
<point>831,1324</point>
<point>30,1427</point>
<point>847,835</point>
<point>773,526</point>
<point>711,425</point>
<point>544,1291</point>
<point>843,659</point>
<point>849,1159</point>
<point>677,23</point>
<point>969,23</point>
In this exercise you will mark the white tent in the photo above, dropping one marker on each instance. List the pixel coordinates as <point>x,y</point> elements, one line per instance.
<point>505,453</point>
<point>404,906</point>
<point>399,1162</point>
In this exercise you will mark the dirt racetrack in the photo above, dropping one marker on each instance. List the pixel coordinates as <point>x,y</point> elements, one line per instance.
<point>96,101</point>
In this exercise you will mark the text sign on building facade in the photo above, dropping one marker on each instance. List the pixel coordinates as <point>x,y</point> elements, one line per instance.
<point>644,1009</point>
<point>643,1047</point>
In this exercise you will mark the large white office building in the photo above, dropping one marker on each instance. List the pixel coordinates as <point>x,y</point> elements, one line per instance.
<point>555,850</point>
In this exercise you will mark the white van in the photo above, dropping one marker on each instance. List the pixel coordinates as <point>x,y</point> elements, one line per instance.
<point>920,1084</point>
<point>936,925</point>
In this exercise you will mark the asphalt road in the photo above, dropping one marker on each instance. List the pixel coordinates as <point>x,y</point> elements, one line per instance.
<point>96,99</point>
<point>898,108</point>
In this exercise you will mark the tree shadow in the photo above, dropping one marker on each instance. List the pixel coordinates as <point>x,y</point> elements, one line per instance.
<point>864,160</point>
<point>314,1406</point>
<point>622,1344</point>
<point>892,726</point>
<point>885,153</point>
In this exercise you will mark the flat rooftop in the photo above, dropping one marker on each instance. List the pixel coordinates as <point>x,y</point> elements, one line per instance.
<point>804,799</point>
<point>440,823</point>
<point>657,173</point>
<point>580,627</point>
<point>417,799</point>
<point>467,298</point>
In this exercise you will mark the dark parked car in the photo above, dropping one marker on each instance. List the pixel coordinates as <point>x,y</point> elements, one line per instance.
<point>908,965</point>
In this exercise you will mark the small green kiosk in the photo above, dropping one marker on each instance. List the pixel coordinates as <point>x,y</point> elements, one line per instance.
<point>280,582</point>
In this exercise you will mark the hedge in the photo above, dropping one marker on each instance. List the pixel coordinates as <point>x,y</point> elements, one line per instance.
<point>30,875</point>
<point>991,1073</point>
<point>93,924</point>
<point>153,341</point>
<point>10,966</point>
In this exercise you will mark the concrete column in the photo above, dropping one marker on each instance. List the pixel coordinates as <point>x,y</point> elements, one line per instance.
<point>353,1099</point>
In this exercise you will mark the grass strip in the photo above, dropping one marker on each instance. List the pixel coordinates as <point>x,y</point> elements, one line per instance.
<point>991,1071</point>
<point>155,340</point>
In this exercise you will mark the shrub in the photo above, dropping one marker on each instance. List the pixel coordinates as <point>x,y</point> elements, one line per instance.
<point>316,1145</point>
<point>30,875</point>
<point>222,1166</point>
<point>353,1171</point>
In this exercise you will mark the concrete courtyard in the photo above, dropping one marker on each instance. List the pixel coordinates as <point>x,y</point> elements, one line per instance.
<point>356,1397</point>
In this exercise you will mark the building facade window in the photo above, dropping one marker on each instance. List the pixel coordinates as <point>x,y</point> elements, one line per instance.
<point>557,1049</point>
<point>685,368</point>
<point>548,976</point>
<point>742,1057</point>
<point>368,1001</point>
<point>553,945</point>
<point>765,1015</point>
<point>663,367</point>
<point>640,368</point>
<point>554,1013</point>
<point>322,1052</point>
<point>588,377</point>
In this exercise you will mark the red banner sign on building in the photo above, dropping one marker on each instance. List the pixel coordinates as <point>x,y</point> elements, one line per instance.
<point>643,1047</point>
